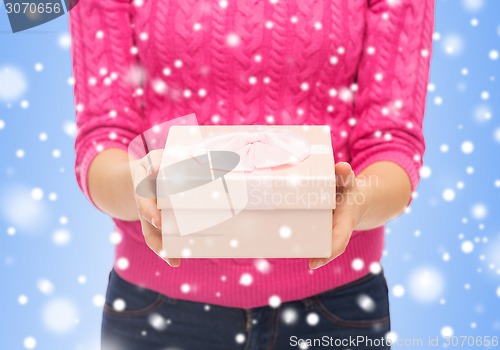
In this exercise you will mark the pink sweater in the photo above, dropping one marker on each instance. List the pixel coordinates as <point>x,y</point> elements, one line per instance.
<point>361,66</point>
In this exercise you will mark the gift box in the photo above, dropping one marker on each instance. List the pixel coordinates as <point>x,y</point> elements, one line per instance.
<point>244,191</point>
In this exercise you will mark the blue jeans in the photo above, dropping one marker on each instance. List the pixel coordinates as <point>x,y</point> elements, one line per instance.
<point>352,316</point>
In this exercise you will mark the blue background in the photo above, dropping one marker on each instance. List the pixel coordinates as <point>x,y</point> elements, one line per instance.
<point>437,285</point>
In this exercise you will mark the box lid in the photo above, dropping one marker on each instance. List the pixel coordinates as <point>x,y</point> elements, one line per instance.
<point>252,174</point>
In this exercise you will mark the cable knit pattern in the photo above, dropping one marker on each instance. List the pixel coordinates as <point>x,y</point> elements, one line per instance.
<point>248,26</point>
<point>360,66</point>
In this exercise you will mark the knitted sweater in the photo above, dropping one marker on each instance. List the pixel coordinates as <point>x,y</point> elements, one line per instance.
<point>360,66</point>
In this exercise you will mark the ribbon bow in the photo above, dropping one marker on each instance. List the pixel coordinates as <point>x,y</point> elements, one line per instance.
<point>262,149</point>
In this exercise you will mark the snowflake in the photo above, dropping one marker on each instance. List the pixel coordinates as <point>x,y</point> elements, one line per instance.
<point>448,194</point>
<point>467,247</point>
<point>274,301</point>
<point>289,315</point>
<point>453,44</point>
<point>398,291</point>
<point>60,315</point>
<point>357,264</point>
<point>22,299</point>
<point>45,286</point>
<point>240,338</point>
<point>233,40</point>
<point>158,322</point>
<point>312,319</point>
<point>493,55</point>
<point>426,284</point>
<point>366,303</point>
<point>185,288</point>
<point>29,343</point>
<point>122,263</point>
<point>61,237</point>
<point>285,231</point>
<point>246,279</point>
<point>98,300</point>
<point>446,331</point>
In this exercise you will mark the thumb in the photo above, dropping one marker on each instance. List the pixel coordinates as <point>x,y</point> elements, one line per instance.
<point>149,211</point>
<point>343,226</point>
<point>344,175</point>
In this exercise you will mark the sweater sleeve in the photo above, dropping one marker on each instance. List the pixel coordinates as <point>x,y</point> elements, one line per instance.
<point>392,78</point>
<point>107,99</point>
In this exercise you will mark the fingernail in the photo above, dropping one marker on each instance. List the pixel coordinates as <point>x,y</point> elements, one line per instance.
<point>317,263</point>
<point>154,223</point>
<point>172,265</point>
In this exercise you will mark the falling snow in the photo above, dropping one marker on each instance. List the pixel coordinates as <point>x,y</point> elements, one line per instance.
<point>185,288</point>
<point>448,194</point>
<point>425,172</point>
<point>398,291</point>
<point>13,83</point>
<point>479,211</point>
<point>274,301</point>
<point>64,41</point>
<point>119,305</point>
<point>60,315</point>
<point>366,303</point>
<point>426,284</point>
<point>98,300</point>
<point>233,40</point>
<point>246,279</point>
<point>446,331</point>
<point>263,266</point>
<point>375,268</point>
<point>467,147</point>
<point>285,232</point>
<point>290,315</point>
<point>452,224</point>
<point>38,67</point>
<point>122,263</point>
<point>69,128</point>
<point>61,237</point>
<point>467,247</point>
<point>493,55</point>
<point>240,338</point>
<point>22,300</point>
<point>158,322</point>
<point>357,264</point>
<point>312,319</point>
<point>30,343</point>
<point>473,5</point>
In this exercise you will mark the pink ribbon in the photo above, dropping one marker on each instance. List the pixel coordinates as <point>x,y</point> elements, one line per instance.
<point>262,149</point>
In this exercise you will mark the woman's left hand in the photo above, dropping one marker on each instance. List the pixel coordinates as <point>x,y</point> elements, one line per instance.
<point>347,213</point>
<point>378,194</point>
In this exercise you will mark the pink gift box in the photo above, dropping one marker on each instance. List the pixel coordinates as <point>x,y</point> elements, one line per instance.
<point>247,191</point>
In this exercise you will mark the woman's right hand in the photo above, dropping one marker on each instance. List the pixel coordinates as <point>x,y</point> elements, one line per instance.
<point>149,214</point>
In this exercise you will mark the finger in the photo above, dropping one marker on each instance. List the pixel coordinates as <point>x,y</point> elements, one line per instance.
<point>344,174</point>
<point>174,262</point>
<point>154,241</point>
<point>153,237</point>
<point>149,211</point>
<point>153,160</point>
<point>138,171</point>
<point>144,172</point>
<point>341,233</point>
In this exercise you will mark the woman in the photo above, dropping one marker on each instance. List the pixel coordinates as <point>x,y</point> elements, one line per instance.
<point>360,66</point>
